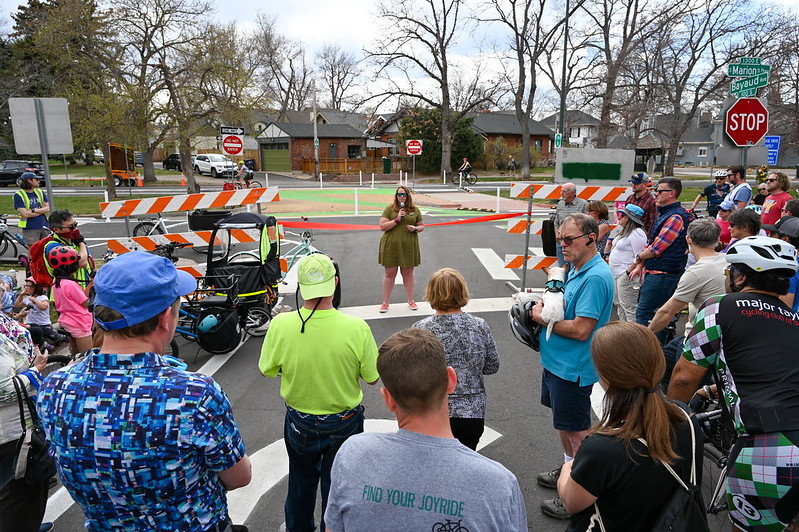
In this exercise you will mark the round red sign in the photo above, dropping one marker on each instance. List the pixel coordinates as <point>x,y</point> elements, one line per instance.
<point>747,122</point>
<point>232,145</point>
<point>413,147</point>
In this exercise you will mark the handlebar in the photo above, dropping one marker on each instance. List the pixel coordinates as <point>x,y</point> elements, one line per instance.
<point>711,415</point>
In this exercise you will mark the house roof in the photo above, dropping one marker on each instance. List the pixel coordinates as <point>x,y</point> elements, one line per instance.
<point>305,131</point>
<point>505,123</point>
<point>573,118</point>
<point>698,134</point>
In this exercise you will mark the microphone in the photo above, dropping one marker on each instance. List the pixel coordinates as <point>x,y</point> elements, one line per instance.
<point>402,206</point>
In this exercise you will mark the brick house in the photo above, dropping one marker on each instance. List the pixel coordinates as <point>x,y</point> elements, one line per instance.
<point>285,145</point>
<point>492,125</point>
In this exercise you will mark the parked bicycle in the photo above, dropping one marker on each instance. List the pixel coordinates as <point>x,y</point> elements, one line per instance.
<point>149,226</point>
<point>12,243</point>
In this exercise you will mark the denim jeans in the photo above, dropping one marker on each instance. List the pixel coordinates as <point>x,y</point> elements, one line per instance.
<point>312,442</point>
<point>655,291</point>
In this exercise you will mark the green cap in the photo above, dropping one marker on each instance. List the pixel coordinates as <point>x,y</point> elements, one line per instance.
<point>316,276</point>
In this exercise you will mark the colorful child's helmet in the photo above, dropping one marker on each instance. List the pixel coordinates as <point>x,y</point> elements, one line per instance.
<point>62,256</point>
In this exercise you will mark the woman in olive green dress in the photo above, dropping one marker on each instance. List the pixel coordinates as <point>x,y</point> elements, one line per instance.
<point>400,222</point>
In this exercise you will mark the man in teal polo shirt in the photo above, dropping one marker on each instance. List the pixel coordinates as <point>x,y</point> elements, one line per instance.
<point>569,372</point>
<point>321,355</point>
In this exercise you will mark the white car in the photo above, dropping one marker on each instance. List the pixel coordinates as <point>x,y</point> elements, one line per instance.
<point>214,164</point>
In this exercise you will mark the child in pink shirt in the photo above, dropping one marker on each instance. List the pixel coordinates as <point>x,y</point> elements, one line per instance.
<point>70,299</point>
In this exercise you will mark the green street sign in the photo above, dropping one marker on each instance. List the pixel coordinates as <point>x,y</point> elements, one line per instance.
<point>316,143</point>
<point>558,140</point>
<point>749,84</point>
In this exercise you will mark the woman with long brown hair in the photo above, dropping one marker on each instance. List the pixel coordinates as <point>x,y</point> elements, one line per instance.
<point>624,476</point>
<point>401,223</point>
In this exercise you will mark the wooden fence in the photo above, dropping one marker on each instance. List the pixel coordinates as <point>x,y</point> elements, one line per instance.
<point>343,166</point>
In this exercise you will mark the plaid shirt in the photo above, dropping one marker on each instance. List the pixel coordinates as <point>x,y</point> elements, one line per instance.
<point>646,202</point>
<point>563,209</point>
<point>668,233</point>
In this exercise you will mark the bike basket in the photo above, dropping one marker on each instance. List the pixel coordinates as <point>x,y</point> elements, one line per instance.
<point>202,219</point>
<point>228,186</point>
<point>225,335</point>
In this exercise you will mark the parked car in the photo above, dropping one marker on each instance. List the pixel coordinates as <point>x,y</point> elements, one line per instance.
<point>138,158</point>
<point>172,162</point>
<point>214,164</point>
<point>98,156</point>
<point>12,170</point>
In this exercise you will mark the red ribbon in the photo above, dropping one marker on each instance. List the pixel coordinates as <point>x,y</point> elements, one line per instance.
<point>374,227</point>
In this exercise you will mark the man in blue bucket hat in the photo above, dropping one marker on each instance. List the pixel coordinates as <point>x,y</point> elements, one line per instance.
<point>139,443</point>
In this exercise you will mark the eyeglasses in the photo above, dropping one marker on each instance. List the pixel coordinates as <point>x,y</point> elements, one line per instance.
<point>70,227</point>
<point>720,179</point>
<point>658,191</point>
<point>730,175</point>
<point>770,180</point>
<point>762,189</point>
<point>569,240</point>
<point>401,194</point>
<point>732,225</point>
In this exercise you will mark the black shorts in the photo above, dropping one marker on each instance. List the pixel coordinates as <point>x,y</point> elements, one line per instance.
<point>570,402</point>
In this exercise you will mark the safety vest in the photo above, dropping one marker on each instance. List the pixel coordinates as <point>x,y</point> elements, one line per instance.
<point>23,222</point>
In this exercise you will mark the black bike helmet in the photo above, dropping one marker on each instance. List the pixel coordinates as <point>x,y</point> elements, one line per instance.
<point>523,327</point>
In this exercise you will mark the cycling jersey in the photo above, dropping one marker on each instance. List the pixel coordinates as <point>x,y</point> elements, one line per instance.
<point>749,337</point>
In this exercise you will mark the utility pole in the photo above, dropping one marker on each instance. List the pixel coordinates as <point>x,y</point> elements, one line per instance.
<point>563,77</point>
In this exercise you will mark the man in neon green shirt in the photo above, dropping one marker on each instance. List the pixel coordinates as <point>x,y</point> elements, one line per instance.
<point>321,354</point>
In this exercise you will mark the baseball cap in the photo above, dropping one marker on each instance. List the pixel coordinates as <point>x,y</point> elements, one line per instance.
<point>787,225</point>
<point>316,276</point>
<point>28,175</point>
<point>727,205</point>
<point>139,286</point>
<point>639,178</point>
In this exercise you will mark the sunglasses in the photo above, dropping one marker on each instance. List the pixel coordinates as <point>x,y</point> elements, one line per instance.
<point>730,175</point>
<point>732,225</point>
<point>569,240</point>
<point>770,180</point>
<point>720,179</point>
<point>658,191</point>
<point>401,194</point>
<point>70,227</point>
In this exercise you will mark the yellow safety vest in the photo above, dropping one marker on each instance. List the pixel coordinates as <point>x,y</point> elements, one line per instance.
<point>23,222</point>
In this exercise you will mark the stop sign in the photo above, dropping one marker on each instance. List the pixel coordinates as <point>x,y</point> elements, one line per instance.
<point>413,147</point>
<point>232,145</point>
<point>747,122</point>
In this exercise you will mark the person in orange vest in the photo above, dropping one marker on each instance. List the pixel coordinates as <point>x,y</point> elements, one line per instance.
<point>32,204</point>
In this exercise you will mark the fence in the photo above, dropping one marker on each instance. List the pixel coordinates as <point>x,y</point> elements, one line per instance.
<point>343,166</point>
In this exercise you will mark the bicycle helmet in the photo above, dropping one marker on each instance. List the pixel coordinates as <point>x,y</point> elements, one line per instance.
<point>62,256</point>
<point>523,327</point>
<point>720,173</point>
<point>763,253</point>
<point>208,323</point>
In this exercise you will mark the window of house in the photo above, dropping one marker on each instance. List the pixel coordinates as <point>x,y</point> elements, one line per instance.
<point>574,131</point>
<point>703,152</point>
<point>538,145</point>
<point>353,151</point>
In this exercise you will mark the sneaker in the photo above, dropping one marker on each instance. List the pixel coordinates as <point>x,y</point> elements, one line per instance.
<point>549,479</point>
<point>554,508</point>
<point>46,527</point>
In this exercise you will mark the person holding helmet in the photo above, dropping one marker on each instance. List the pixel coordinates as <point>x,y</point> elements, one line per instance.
<point>71,300</point>
<point>246,173</point>
<point>714,192</point>
<point>66,233</point>
<point>141,444</point>
<point>748,337</point>
<point>32,205</point>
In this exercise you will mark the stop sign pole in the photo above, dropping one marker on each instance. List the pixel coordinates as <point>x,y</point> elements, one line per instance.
<point>413,147</point>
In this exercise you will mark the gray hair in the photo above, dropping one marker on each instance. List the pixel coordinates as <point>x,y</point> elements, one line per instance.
<point>584,222</point>
<point>704,233</point>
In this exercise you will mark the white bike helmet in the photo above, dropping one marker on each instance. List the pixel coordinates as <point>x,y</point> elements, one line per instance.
<point>763,253</point>
<point>720,173</point>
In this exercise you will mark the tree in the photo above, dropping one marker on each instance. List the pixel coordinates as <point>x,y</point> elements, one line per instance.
<point>282,67</point>
<point>413,61</point>
<point>339,70</point>
<point>529,40</point>
<point>425,124</point>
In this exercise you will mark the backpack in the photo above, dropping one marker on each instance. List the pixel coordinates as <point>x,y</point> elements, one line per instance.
<point>39,272</point>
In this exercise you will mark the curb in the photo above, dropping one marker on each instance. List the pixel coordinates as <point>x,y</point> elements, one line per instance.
<point>475,209</point>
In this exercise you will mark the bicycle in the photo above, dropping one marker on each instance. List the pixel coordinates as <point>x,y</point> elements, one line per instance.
<point>9,241</point>
<point>241,183</point>
<point>168,250</point>
<point>463,177</point>
<point>148,226</point>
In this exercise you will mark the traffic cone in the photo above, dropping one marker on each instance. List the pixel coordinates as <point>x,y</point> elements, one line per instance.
<point>140,182</point>
<point>182,180</point>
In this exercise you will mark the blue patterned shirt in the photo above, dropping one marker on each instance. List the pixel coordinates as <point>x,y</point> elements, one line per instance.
<point>139,443</point>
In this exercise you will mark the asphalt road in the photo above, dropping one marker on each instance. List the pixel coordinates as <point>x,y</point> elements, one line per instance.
<point>525,443</point>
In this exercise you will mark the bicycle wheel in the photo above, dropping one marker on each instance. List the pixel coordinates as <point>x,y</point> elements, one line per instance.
<point>717,515</point>
<point>3,243</point>
<point>257,318</point>
<point>147,228</point>
<point>8,246</point>
<point>256,184</point>
<point>471,179</point>
<point>455,178</point>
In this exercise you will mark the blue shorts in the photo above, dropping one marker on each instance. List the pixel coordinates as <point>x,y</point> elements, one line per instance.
<point>570,402</point>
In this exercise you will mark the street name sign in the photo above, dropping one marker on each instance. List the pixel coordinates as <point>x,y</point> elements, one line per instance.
<point>747,122</point>
<point>754,74</point>
<point>413,147</point>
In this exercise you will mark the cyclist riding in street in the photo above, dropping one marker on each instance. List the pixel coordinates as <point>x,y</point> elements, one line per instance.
<point>246,173</point>
<point>466,168</point>
<point>748,336</point>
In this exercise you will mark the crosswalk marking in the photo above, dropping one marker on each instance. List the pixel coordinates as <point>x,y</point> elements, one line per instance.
<point>494,264</point>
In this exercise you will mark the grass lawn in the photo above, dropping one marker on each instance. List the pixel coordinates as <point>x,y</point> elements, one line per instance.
<point>77,205</point>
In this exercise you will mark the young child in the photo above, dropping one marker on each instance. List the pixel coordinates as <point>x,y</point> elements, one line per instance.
<point>36,311</point>
<point>70,299</point>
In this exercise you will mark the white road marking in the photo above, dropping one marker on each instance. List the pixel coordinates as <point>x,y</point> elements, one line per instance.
<point>494,264</point>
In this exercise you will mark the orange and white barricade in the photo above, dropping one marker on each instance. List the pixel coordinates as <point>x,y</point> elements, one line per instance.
<point>189,202</point>
<point>516,262</point>
<point>552,192</point>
